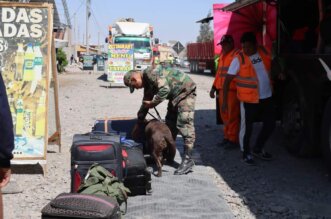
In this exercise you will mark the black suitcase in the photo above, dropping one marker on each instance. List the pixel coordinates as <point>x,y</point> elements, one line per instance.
<point>111,125</point>
<point>137,176</point>
<point>74,205</point>
<point>122,127</point>
<point>91,148</point>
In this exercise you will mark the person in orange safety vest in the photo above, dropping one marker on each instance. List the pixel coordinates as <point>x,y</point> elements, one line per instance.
<point>251,68</point>
<point>230,118</point>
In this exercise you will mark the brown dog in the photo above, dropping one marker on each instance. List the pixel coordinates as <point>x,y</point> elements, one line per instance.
<point>160,142</point>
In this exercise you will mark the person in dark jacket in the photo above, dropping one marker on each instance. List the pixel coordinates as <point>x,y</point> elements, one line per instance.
<point>6,140</point>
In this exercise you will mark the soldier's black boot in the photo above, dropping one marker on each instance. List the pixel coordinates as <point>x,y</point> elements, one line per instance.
<point>187,163</point>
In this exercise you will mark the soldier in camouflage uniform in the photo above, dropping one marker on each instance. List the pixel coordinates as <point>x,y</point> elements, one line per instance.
<point>167,83</point>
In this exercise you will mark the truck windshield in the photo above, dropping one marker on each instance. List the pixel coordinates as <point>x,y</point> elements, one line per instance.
<point>140,43</point>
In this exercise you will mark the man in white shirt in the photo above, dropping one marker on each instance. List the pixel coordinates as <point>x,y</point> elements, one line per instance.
<point>251,70</point>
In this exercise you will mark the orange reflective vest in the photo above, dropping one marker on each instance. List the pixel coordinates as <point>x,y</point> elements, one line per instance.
<point>222,69</point>
<point>247,81</point>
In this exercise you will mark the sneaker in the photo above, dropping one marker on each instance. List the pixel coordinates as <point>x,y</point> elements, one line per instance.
<point>231,145</point>
<point>249,160</point>
<point>223,143</point>
<point>262,155</point>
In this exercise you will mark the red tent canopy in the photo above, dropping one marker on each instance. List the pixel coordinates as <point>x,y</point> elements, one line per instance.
<point>249,18</point>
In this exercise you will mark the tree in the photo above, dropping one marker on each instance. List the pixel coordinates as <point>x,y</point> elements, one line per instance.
<point>206,33</point>
<point>62,61</point>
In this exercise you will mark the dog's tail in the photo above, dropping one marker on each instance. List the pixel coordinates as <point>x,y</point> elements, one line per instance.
<point>171,148</point>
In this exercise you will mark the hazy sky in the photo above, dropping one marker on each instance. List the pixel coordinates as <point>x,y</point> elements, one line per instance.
<point>171,19</point>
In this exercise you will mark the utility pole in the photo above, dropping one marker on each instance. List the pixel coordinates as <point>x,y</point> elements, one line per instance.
<point>88,2</point>
<point>98,42</point>
<point>74,39</point>
<point>78,36</point>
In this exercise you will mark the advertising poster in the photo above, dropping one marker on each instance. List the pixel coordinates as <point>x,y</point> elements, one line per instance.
<point>25,45</point>
<point>120,61</point>
<point>100,63</point>
<point>87,62</point>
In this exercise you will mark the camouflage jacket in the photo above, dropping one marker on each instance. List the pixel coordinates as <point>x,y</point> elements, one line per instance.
<point>165,83</point>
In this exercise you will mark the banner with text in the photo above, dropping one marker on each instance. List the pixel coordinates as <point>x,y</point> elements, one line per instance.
<point>88,62</point>
<point>25,45</point>
<point>120,61</point>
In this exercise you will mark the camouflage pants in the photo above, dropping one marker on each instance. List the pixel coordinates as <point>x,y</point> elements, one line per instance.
<point>180,118</point>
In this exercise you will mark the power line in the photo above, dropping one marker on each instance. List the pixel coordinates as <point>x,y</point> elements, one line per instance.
<point>81,4</point>
<point>101,30</point>
<point>96,21</point>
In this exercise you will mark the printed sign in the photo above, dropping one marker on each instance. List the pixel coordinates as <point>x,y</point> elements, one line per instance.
<point>25,45</point>
<point>120,61</point>
<point>100,63</point>
<point>87,62</point>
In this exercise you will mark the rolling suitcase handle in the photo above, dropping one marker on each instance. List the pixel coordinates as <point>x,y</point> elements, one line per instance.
<point>98,134</point>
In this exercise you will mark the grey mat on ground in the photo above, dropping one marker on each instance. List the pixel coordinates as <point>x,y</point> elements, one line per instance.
<point>182,197</point>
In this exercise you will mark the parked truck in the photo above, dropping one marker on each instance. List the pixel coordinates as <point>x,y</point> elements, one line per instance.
<point>201,57</point>
<point>127,31</point>
<point>298,33</point>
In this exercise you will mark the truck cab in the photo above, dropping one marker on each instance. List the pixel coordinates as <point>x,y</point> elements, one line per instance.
<point>138,34</point>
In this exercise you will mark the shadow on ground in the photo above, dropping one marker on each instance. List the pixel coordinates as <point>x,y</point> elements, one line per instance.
<point>103,77</point>
<point>287,187</point>
<point>27,169</point>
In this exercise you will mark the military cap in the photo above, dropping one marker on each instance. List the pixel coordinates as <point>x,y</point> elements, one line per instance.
<point>127,80</point>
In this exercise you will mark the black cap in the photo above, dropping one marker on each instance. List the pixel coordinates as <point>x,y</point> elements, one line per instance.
<point>127,80</point>
<point>225,39</point>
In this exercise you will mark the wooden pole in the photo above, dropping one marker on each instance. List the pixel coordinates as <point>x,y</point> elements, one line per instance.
<point>56,95</point>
